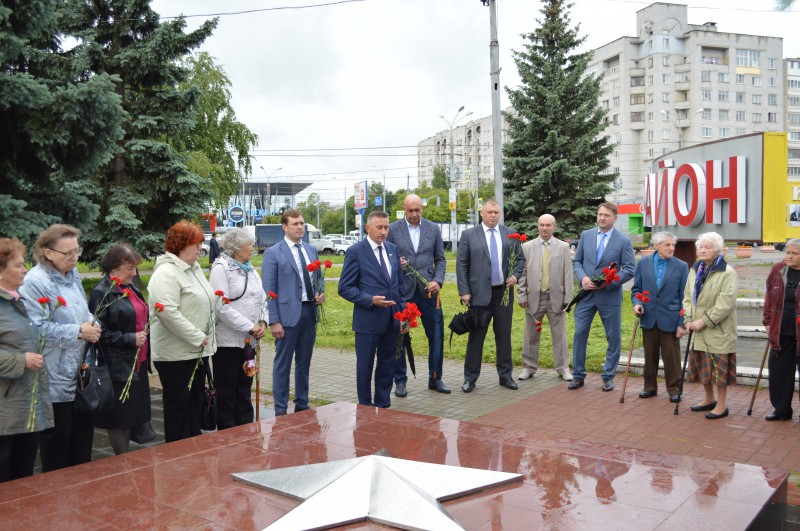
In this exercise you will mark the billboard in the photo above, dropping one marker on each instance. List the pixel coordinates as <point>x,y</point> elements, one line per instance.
<point>360,195</point>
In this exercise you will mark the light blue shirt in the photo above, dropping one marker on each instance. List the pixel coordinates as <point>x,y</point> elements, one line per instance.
<point>605,242</point>
<point>660,266</point>
<point>413,233</point>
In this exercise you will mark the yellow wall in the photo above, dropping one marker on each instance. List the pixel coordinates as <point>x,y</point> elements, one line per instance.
<point>777,191</point>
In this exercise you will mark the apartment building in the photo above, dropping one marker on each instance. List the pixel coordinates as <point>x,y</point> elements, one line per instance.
<point>792,83</point>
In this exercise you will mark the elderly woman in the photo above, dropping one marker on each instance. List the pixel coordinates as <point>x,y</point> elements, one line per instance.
<point>184,331</point>
<point>123,316</point>
<point>709,303</point>
<point>19,363</point>
<point>233,274</point>
<point>69,442</point>
<point>781,311</point>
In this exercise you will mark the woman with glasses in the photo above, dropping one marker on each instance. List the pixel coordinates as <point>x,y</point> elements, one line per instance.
<point>66,328</point>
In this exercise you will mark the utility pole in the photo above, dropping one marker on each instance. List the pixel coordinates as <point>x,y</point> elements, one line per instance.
<point>497,132</point>
<point>452,174</point>
<point>344,212</point>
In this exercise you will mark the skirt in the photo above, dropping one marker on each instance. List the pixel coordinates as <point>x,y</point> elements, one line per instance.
<point>131,413</point>
<point>708,368</point>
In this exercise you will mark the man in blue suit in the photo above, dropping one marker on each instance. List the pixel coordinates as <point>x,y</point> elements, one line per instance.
<point>419,242</point>
<point>597,248</point>
<point>293,315</point>
<point>657,297</point>
<point>370,279</point>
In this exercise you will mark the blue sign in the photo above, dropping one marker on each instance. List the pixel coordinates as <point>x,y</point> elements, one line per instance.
<point>236,214</point>
<point>379,201</point>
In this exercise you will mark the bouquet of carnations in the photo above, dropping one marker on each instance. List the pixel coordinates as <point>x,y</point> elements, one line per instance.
<point>318,268</point>
<point>221,300</point>
<point>41,342</point>
<point>126,391</point>
<point>513,259</point>
<point>608,276</point>
<point>408,320</point>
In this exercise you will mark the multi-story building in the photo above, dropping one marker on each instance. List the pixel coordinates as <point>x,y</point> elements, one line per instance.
<point>792,83</point>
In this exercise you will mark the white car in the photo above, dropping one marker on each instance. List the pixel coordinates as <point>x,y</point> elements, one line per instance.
<point>351,239</point>
<point>341,245</point>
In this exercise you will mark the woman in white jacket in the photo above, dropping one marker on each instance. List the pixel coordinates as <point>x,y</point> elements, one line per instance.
<point>245,316</point>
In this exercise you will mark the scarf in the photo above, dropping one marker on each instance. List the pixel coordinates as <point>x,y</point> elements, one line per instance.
<point>246,266</point>
<point>702,275</point>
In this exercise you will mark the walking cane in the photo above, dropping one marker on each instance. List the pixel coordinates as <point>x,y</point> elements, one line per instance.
<point>630,355</point>
<point>258,379</point>
<point>758,381</point>
<point>683,373</point>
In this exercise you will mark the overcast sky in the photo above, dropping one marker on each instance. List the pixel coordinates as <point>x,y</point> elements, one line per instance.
<point>379,73</point>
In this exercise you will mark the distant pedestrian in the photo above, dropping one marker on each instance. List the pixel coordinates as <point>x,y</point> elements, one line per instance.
<point>213,249</point>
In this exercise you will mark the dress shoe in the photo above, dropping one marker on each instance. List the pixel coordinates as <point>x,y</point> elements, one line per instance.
<point>468,386</point>
<point>280,413</point>
<point>608,385</point>
<point>301,408</point>
<point>647,394</point>
<point>707,407</point>
<point>575,384</point>
<point>525,374</point>
<point>675,398</point>
<point>566,375</point>
<point>400,390</point>
<point>439,386</point>
<point>508,383</point>
<point>713,416</point>
<point>775,416</point>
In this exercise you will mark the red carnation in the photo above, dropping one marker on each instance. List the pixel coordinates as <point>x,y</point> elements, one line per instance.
<point>616,278</point>
<point>639,296</point>
<point>226,300</point>
<point>683,311</point>
<point>43,300</point>
<point>646,292</point>
<point>61,301</point>
<point>398,316</point>
<point>127,293</point>
<point>328,264</point>
<point>159,307</point>
<point>523,238</point>
<point>219,293</point>
<point>272,295</point>
<point>115,280</point>
<point>646,300</point>
<point>412,323</point>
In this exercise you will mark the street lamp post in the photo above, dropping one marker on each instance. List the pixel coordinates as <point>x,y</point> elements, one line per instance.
<point>451,124</point>
<point>269,194</point>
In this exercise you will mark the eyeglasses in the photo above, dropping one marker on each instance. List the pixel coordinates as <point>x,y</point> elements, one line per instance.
<point>69,254</point>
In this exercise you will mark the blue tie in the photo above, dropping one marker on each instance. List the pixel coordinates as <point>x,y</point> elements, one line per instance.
<point>497,276</point>
<point>600,247</point>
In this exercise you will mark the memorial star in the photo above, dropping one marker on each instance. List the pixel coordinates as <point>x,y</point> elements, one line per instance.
<point>396,492</point>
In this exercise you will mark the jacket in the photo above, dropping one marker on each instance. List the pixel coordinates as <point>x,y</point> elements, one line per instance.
<point>773,305</point>
<point>64,351</point>
<point>663,310</point>
<point>190,310</point>
<point>428,259</point>
<point>235,320</point>
<point>18,336</point>
<point>716,306</point>
<point>474,264</point>
<point>118,338</point>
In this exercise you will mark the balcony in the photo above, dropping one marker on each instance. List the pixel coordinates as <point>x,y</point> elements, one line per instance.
<point>685,67</point>
<point>682,87</point>
<point>637,126</point>
<point>683,105</point>
<point>636,72</point>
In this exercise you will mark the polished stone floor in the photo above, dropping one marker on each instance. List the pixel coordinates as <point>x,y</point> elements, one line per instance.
<point>567,484</point>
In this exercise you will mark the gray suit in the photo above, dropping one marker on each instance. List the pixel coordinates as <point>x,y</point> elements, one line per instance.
<point>429,260</point>
<point>548,302</point>
<point>474,276</point>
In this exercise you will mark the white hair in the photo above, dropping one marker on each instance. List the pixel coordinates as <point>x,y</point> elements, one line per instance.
<point>234,239</point>
<point>712,238</point>
<point>659,237</point>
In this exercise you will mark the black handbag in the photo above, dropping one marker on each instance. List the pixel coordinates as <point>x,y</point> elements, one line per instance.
<point>208,418</point>
<point>94,392</point>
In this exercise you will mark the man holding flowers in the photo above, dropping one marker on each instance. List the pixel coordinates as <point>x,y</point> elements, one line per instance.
<point>657,297</point>
<point>598,247</point>
<point>419,242</point>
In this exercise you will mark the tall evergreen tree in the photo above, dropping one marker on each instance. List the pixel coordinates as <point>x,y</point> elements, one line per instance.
<point>556,157</point>
<point>56,126</point>
<point>146,186</point>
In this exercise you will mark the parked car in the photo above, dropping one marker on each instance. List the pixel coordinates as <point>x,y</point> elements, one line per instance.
<point>323,246</point>
<point>351,239</point>
<point>341,245</point>
<point>206,246</point>
<point>331,236</point>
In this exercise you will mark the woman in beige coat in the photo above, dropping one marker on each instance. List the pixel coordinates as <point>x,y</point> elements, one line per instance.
<point>709,303</point>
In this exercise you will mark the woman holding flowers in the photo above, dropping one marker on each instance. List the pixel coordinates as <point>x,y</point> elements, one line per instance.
<point>182,336</point>
<point>55,281</point>
<point>122,312</point>
<point>19,365</point>
<point>234,274</point>
<point>709,303</point>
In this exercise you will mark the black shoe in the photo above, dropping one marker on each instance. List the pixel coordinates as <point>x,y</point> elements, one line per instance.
<point>608,385</point>
<point>301,408</point>
<point>280,413</point>
<point>713,416</point>
<point>707,407</point>
<point>439,386</point>
<point>508,383</point>
<point>575,384</point>
<point>775,416</point>
<point>675,398</point>
<point>647,394</point>
<point>400,390</point>
<point>468,386</point>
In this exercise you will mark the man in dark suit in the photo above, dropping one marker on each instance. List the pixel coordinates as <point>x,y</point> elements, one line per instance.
<point>597,248</point>
<point>293,315</point>
<point>482,274</point>
<point>657,297</point>
<point>370,279</point>
<point>213,249</point>
<point>420,245</point>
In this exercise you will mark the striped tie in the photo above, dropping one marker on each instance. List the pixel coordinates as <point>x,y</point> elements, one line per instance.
<point>546,267</point>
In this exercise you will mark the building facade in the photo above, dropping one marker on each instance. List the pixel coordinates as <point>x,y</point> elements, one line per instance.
<point>792,83</point>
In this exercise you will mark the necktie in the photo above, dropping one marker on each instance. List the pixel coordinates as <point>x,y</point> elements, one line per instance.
<point>600,247</point>
<point>497,275</point>
<point>384,269</point>
<point>306,276</point>
<point>546,267</point>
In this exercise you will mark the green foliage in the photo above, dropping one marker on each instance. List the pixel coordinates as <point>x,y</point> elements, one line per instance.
<point>556,158</point>
<point>439,177</point>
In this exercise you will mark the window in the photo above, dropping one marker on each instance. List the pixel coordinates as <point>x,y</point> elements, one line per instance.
<point>724,132</point>
<point>706,132</point>
<point>722,95</point>
<point>665,97</point>
<point>740,97</point>
<point>794,153</point>
<point>650,153</point>
<point>604,104</point>
<point>665,79</point>
<point>615,119</point>
<point>705,95</point>
<point>794,83</point>
<point>650,80</point>
<point>650,46</point>
<point>749,58</point>
<point>665,134</point>
<point>650,117</point>
<point>723,114</point>
<point>615,154</point>
<point>772,99</point>
<point>615,102</point>
<point>681,77</point>
<point>740,79</point>
<point>706,114</point>
<point>770,81</point>
<point>772,63</point>
<point>723,77</point>
<point>615,83</point>
<point>637,81</point>
<point>794,64</point>
<point>739,131</point>
<point>651,97</point>
<point>772,117</point>
<point>794,118</point>
<point>756,81</point>
<point>756,116</point>
<point>794,171</point>
<point>664,151</point>
<point>741,116</point>
<point>637,116</point>
<point>649,59</point>
<point>705,76</point>
<point>615,138</point>
<point>665,60</point>
<point>794,101</point>
<point>637,99</point>
<point>665,116</point>
<point>665,43</point>
<point>756,99</point>
<point>794,136</point>
<point>650,135</point>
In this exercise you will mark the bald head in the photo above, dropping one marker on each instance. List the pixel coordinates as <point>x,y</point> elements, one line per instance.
<point>547,225</point>
<point>412,207</point>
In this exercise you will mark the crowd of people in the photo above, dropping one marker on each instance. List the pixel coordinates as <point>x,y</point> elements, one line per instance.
<point>190,324</point>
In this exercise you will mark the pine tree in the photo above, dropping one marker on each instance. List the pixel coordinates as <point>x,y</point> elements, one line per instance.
<point>56,126</point>
<point>147,186</point>
<point>556,157</point>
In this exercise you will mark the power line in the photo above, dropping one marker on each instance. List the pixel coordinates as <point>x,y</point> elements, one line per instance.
<point>263,9</point>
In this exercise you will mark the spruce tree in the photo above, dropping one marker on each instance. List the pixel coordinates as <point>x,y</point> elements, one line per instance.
<point>556,156</point>
<point>147,186</point>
